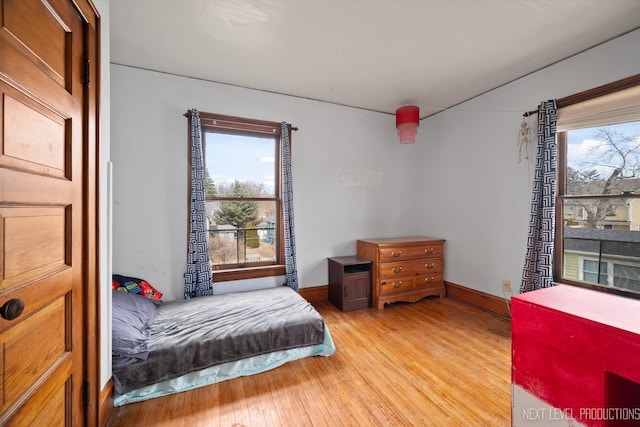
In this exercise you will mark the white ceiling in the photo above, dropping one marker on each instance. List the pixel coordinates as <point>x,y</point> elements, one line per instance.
<point>371,54</point>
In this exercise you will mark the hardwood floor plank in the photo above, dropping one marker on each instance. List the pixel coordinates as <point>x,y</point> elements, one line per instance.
<point>437,362</point>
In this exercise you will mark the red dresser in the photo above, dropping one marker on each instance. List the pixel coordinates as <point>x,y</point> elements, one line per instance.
<point>575,357</point>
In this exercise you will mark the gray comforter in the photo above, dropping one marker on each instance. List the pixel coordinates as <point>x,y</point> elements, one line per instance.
<point>195,334</point>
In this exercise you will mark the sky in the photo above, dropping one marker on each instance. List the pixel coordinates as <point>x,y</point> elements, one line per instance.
<point>583,147</point>
<point>230,157</point>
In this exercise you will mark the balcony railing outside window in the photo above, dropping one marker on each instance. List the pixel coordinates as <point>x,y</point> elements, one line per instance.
<point>242,246</point>
<point>606,257</point>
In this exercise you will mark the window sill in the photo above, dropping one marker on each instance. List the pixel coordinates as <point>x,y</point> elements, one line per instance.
<point>248,273</point>
<point>601,288</point>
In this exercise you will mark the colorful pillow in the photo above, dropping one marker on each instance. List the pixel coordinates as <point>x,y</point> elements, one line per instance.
<point>135,286</point>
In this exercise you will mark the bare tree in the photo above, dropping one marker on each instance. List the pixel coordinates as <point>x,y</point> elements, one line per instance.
<point>221,249</point>
<point>620,154</point>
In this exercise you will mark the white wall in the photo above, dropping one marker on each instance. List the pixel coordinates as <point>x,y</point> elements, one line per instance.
<point>335,153</point>
<point>474,192</point>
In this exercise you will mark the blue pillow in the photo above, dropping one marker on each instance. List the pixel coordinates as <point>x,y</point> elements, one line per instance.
<point>131,327</point>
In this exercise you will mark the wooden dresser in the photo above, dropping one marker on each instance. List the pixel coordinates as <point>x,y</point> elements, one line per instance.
<point>405,268</point>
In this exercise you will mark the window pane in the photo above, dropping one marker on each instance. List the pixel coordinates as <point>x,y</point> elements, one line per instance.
<point>242,166</point>
<point>616,247</point>
<point>626,276</point>
<point>234,245</point>
<point>604,160</point>
<point>590,272</point>
<point>610,213</point>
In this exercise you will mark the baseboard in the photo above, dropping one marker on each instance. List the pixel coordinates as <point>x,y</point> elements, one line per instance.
<point>481,300</point>
<point>315,294</point>
<point>106,404</point>
<point>484,301</point>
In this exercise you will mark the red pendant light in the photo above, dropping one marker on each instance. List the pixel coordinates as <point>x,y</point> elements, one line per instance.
<point>407,122</point>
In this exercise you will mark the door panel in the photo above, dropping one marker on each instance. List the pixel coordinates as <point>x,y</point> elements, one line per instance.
<point>34,243</point>
<point>41,211</point>
<point>47,405</point>
<point>35,139</point>
<point>38,27</point>
<point>25,362</point>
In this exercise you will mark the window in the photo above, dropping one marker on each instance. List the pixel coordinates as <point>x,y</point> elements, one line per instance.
<point>625,276</point>
<point>244,196</point>
<point>593,272</point>
<point>598,189</point>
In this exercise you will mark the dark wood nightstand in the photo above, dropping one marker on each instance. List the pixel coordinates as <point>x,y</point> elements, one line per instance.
<point>349,282</point>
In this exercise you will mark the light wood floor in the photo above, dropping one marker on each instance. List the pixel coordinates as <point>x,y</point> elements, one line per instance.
<point>437,362</point>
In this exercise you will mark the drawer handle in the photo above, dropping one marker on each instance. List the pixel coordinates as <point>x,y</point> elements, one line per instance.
<point>396,254</point>
<point>429,251</point>
<point>429,266</point>
<point>397,269</point>
<point>429,279</point>
<point>397,285</point>
<point>345,291</point>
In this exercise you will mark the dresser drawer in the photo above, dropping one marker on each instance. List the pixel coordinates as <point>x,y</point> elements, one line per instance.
<point>391,270</point>
<point>410,252</point>
<point>433,266</point>
<point>401,284</point>
<point>429,281</point>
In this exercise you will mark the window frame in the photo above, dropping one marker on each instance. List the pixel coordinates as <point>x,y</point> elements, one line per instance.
<point>561,182</point>
<point>224,124</point>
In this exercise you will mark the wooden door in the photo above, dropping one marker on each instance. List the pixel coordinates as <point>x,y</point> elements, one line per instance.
<point>43,212</point>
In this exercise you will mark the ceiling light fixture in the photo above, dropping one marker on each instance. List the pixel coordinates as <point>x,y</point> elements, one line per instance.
<point>407,122</point>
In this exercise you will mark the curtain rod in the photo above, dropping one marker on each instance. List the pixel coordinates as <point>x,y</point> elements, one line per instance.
<point>588,94</point>
<point>293,128</point>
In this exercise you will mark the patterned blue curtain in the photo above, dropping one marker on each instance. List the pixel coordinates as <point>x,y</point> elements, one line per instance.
<point>197,279</point>
<point>538,265</point>
<point>287,190</point>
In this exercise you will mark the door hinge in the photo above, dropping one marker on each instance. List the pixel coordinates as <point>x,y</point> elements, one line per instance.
<point>85,78</point>
<point>85,393</point>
